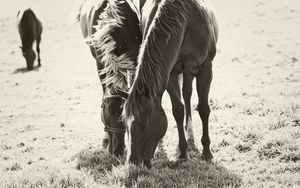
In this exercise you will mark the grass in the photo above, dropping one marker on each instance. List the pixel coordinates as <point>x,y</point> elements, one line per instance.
<point>282,150</point>
<point>112,171</point>
<point>46,176</point>
<point>261,141</point>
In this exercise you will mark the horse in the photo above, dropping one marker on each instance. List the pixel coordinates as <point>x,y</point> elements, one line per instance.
<point>179,38</point>
<point>111,30</point>
<point>30,29</point>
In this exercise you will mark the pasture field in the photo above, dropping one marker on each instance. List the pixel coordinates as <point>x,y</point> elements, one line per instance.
<point>50,128</point>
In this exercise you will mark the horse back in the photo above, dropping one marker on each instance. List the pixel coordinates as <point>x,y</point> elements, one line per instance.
<point>29,26</point>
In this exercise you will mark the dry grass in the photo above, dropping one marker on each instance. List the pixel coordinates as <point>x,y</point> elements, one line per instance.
<point>164,173</point>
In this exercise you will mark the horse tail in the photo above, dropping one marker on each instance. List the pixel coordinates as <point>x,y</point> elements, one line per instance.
<point>76,17</point>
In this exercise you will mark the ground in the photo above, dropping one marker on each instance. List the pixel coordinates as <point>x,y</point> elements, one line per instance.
<point>50,115</point>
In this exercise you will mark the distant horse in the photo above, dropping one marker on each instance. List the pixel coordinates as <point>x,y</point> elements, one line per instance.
<point>30,30</point>
<point>111,29</point>
<point>179,36</point>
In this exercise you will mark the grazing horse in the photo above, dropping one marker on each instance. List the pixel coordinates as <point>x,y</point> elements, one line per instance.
<point>179,37</point>
<point>30,30</point>
<point>111,29</point>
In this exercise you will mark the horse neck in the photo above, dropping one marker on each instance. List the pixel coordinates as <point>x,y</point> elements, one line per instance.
<point>27,44</point>
<point>160,48</point>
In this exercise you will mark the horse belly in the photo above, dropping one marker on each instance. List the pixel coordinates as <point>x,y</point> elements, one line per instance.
<point>186,66</point>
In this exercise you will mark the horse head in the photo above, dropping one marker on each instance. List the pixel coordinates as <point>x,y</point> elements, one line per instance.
<point>112,107</point>
<point>146,125</point>
<point>29,56</point>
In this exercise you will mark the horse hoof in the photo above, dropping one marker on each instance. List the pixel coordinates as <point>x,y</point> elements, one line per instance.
<point>207,157</point>
<point>183,157</point>
<point>104,143</point>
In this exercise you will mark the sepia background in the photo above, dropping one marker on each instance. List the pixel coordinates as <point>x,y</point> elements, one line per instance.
<point>50,114</point>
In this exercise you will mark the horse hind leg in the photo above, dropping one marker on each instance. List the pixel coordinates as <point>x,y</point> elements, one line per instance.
<point>178,113</point>
<point>38,41</point>
<point>204,79</point>
<point>187,90</point>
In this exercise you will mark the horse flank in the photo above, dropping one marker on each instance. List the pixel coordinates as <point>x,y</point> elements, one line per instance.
<point>115,67</point>
<point>209,13</point>
<point>167,22</point>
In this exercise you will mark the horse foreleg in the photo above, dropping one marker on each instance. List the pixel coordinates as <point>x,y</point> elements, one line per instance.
<point>105,140</point>
<point>178,113</point>
<point>187,90</point>
<point>203,86</point>
<point>38,49</point>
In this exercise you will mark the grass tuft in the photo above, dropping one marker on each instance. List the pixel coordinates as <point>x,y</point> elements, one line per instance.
<point>283,150</point>
<point>15,167</point>
<point>243,148</point>
<point>251,137</point>
<point>223,143</point>
<point>279,124</point>
<point>112,171</point>
<point>270,150</point>
<point>97,161</point>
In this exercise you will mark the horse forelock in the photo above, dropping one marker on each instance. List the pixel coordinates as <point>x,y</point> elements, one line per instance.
<point>115,67</point>
<point>167,21</point>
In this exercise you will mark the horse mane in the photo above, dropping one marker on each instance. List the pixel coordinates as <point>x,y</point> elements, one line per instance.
<point>116,68</point>
<point>167,22</point>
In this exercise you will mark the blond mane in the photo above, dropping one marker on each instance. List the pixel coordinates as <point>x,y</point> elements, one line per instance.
<point>116,67</point>
<point>167,22</point>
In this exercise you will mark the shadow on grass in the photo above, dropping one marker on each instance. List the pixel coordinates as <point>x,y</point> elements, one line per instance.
<point>194,172</point>
<point>24,69</point>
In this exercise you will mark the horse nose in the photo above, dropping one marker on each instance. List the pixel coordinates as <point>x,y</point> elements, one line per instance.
<point>118,151</point>
<point>147,164</point>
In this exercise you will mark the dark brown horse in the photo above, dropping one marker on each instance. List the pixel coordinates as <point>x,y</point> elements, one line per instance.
<point>111,29</point>
<point>30,30</point>
<point>179,37</point>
